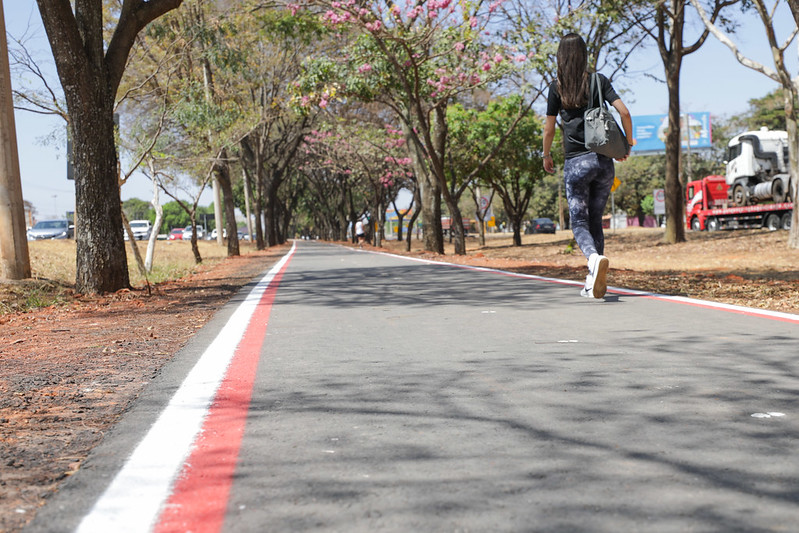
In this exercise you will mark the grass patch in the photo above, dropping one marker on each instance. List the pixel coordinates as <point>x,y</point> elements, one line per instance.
<point>53,267</point>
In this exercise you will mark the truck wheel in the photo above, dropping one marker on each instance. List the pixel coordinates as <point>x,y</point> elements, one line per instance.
<point>712,224</point>
<point>773,222</point>
<point>778,191</point>
<point>786,221</point>
<point>695,224</point>
<point>739,195</point>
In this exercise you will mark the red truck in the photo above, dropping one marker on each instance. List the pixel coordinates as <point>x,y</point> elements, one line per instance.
<point>707,208</point>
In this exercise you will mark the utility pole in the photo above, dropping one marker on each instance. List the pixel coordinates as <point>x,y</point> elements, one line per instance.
<point>14,258</point>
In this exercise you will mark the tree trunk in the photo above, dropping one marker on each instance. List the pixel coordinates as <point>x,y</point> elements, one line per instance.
<point>430,198</point>
<point>793,161</point>
<point>194,248</point>
<point>159,217</point>
<point>248,202</point>
<point>271,207</point>
<point>90,69</point>
<point>101,261</point>
<point>133,246</point>
<point>417,201</point>
<point>222,170</point>
<point>675,228</point>
<point>517,229</point>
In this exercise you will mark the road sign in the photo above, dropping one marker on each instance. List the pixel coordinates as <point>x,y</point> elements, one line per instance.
<point>660,201</point>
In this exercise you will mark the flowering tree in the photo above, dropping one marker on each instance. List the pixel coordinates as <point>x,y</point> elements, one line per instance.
<point>368,163</point>
<point>416,58</point>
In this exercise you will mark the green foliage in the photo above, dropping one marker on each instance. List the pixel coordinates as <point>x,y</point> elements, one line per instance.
<point>768,111</point>
<point>648,205</point>
<point>193,110</point>
<point>639,176</point>
<point>544,202</point>
<point>517,165</point>
<point>174,217</point>
<point>136,209</point>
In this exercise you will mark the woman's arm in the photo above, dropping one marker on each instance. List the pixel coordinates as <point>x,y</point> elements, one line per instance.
<point>626,122</point>
<point>549,136</point>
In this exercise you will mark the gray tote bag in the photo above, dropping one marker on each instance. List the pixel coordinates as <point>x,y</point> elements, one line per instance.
<point>602,134</point>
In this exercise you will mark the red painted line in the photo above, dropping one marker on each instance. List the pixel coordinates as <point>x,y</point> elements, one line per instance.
<point>717,306</point>
<point>200,495</point>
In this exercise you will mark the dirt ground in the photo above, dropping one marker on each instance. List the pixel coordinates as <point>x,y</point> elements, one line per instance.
<point>67,372</point>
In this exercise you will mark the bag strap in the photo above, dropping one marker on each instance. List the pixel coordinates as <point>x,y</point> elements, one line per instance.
<point>595,82</point>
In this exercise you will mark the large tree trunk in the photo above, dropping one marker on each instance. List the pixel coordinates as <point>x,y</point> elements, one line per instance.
<point>430,198</point>
<point>90,69</point>
<point>675,228</point>
<point>101,262</point>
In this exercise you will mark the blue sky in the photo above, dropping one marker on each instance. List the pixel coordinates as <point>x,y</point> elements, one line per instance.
<point>712,80</point>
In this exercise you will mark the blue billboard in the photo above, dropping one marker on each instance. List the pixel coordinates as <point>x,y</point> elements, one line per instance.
<point>650,131</point>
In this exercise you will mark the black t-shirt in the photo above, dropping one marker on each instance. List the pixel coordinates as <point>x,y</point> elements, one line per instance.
<point>572,119</point>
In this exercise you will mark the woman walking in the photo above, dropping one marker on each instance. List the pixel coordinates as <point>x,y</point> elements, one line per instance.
<point>588,176</point>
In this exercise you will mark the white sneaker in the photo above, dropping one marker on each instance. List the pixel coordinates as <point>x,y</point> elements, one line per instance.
<point>598,270</point>
<point>585,292</point>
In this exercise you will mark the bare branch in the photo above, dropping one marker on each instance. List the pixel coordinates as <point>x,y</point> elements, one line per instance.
<point>742,59</point>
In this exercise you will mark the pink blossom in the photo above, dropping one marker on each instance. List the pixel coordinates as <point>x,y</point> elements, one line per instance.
<point>498,58</point>
<point>520,58</point>
<point>486,66</point>
<point>459,47</point>
<point>366,67</point>
<point>323,103</point>
<point>473,22</point>
<point>294,8</point>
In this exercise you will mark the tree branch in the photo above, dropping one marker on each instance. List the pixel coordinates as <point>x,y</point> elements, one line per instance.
<point>742,59</point>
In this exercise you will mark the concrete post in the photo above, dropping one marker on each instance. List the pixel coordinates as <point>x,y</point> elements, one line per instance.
<point>14,257</point>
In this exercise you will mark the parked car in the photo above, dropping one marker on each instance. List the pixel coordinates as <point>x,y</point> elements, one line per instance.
<point>176,234</point>
<point>141,229</point>
<point>214,233</point>
<point>50,229</point>
<point>187,233</point>
<point>542,225</point>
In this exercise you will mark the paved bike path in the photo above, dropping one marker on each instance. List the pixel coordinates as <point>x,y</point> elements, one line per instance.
<point>397,395</point>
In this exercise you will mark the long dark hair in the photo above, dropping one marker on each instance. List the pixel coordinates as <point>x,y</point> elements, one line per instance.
<point>572,71</point>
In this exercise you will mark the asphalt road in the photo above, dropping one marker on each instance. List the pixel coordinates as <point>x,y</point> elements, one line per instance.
<point>398,395</point>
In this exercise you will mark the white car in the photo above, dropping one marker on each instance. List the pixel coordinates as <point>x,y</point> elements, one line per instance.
<point>187,233</point>
<point>141,229</point>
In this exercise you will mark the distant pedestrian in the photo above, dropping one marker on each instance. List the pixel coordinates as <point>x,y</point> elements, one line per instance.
<point>361,236</point>
<point>588,176</point>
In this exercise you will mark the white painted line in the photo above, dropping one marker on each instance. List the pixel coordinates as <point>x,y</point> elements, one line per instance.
<point>751,311</point>
<point>133,501</point>
<point>767,415</point>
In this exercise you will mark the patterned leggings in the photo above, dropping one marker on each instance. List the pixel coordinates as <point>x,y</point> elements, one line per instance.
<point>588,179</point>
